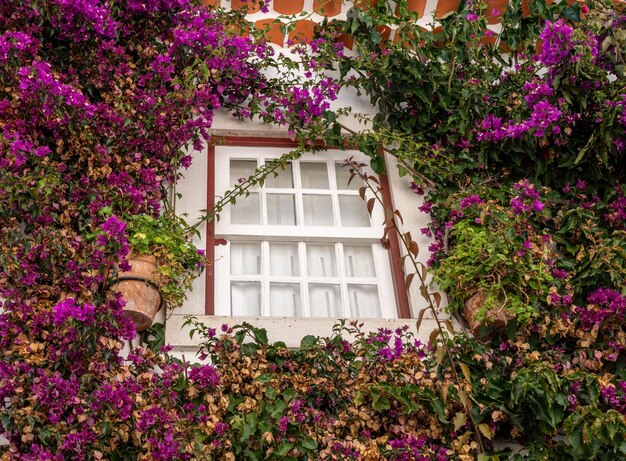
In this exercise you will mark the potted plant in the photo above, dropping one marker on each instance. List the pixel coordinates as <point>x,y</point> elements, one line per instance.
<point>163,264</point>
<point>500,260</point>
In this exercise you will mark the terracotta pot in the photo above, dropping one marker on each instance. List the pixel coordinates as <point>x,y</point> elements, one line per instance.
<point>327,7</point>
<point>496,318</point>
<point>287,6</point>
<point>138,288</point>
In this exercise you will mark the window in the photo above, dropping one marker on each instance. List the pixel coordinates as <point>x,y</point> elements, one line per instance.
<point>303,245</point>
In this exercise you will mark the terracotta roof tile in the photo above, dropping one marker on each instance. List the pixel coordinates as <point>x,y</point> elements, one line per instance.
<point>287,6</point>
<point>252,5</point>
<point>303,32</point>
<point>327,7</point>
<point>347,40</point>
<point>446,6</point>
<point>419,6</point>
<point>272,30</point>
<point>495,6</point>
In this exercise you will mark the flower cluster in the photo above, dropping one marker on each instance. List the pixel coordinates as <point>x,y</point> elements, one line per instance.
<point>69,309</point>
<point>605,306</point>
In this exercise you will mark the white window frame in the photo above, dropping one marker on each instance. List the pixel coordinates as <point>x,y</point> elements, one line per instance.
<point>301,234</point>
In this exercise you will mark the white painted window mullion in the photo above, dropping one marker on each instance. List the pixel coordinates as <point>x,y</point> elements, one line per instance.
<point>265,284</point>
<point>341,272</point>
<point>304,286</point>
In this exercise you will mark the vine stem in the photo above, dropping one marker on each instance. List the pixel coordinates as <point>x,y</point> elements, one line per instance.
<point>392,224</point>
<point>405,164</point>
<point>240,189</point>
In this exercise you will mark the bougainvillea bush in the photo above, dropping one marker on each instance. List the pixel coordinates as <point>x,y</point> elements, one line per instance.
<point>515,139</point>
<point>99,101</point>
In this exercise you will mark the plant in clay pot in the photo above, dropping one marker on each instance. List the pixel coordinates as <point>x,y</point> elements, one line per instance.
<point>162,264</point>
<point>500,264</point>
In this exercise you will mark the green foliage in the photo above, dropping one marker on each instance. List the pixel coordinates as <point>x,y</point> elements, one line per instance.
<point>335,398</point>
<point>167,238</point>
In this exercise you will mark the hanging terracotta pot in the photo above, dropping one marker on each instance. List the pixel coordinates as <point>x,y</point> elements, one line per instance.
<point>140,291</point>
<point>327,7</point>
<point>496,318</point>
<point>287,6</point>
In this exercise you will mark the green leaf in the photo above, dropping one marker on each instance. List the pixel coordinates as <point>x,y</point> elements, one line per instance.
<point>485,430</point>
<point>460,419</point>
<point>261,336</point>
<point>308,341</point>
<point>284,448</point>
<point>309,444</point>
<point>249,427</point>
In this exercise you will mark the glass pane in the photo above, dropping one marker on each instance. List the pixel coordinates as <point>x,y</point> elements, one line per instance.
<point>241,169</point>
<point>245,298</point>
<point>343,176</point>
<point>359,261</point>
<point>284,259</point>
<point>321,260</point>
<point>364,301</point>
<point>246,211</point>
<point>314,175</point>
<point>283,180</point>
<point>318,210</point>
<point>285,300</point>
<point>325,300</point>
<point>281,209</point>
<point>353,211</point>
<point>245,258</point>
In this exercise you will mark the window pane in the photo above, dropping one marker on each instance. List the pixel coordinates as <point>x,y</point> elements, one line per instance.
<point>283,180</point>
<point>359,261</point>
<point>245,298</point>
<point>353,211</point>
<point>321,260</point>
<point>343,176</point>
<point>281,209</point>
<point>318,210</point>
<point>285,300</point>
<point>364,301</point>
<point>314,175</point>
<point>325,300</point>
<point>246,211</point>
<point>245,258</point>
<point>284,259</point>
<point>241,169</point>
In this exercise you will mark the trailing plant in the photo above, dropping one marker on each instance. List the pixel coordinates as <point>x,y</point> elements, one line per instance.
<point>498,251</point>
<point>168,239</point>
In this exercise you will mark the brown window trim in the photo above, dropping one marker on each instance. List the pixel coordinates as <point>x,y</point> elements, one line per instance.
<point>397,273</point>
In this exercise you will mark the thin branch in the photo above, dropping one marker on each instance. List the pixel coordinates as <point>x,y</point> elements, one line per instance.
<point>405,164</point>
